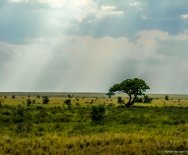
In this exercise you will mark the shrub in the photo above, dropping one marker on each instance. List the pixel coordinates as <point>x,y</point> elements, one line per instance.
<point>68,103</point>
<point>147,99</point>
<point>18,115</point>
<point>139,100</point>
<point>6,112</point>
<point>45,100</point>
<point>39,107</point>
<point>20,110</point>
<point>23,127</point>
<point>28,102</point>
<point>110,94</point>
<point>97,114</point>
<point>42,116</point>
<point>69,96</point>
<point>13,97</point>
<point>167,97</point>
<point>1,103</point>
<point>120,100</point>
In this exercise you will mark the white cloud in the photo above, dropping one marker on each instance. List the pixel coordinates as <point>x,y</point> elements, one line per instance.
<point>81,9</point>
<point>53,3</point>
<point>107,10</point>
<point>108,7</point>
<point>18,1</point>
<point>184,16</point>
<point>76,9</point>
<point>136,4</point>
<point>51,64</point>
<point>67,3</point>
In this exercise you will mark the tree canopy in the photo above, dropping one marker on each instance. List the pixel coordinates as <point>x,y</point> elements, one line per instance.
<point>132,87</point>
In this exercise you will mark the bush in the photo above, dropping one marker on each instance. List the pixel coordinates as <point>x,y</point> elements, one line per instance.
<point>110,94</point>
<point>97,114</point>
<point>6,112</point>
<point>19,115</point>
<point>147,99</point>
<point>23,127</point>
<point>13,97</point>
<point>33,101</point>
<point>139,100</point>
<point>45,100</point>
<point>69,96</point>
<point>1,103</point>
<point>166,97</point>
<point>28,102</point>
<point>120,100</point>
<point>68,103</point>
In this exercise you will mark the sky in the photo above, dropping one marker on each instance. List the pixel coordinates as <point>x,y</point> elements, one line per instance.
<point>89,45</point>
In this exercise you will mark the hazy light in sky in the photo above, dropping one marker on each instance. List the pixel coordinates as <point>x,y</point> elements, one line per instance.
<point>87,45</point>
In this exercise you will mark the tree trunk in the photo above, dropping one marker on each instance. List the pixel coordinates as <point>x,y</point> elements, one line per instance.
<point>133,101</point>
<point>128,105</point>
<point>129,102</point>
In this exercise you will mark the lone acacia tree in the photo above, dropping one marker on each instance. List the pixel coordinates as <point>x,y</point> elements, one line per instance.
<point>132,87</point>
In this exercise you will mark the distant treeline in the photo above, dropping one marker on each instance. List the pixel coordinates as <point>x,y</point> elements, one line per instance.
<point>88,95</point>
<point>54,94</point>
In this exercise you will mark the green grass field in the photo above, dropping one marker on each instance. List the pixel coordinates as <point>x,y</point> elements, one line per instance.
<point>160,127</point>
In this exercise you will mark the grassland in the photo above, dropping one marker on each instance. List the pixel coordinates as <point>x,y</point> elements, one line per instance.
<point>160,127</point>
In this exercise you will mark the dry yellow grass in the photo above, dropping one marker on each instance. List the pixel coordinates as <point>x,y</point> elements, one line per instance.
<point>140,143</point>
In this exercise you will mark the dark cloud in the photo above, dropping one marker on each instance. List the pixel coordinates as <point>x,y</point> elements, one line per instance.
<point>119,26</point>
<point>160,15</point>
<point>19,21</point>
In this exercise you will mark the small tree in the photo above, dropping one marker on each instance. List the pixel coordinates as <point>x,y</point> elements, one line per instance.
<point>132,87</point>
